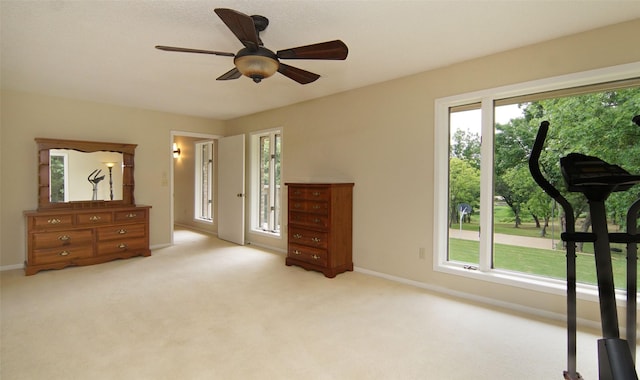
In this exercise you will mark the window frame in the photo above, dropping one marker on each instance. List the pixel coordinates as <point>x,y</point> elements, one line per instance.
<point>487,99</point>
<point>255,173</point>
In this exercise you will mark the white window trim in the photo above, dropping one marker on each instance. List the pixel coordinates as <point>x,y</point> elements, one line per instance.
<point>441,176</point>
<point>255,184</point>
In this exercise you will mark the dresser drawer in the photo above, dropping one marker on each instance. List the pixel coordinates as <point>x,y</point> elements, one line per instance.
<point>94,218</point>
<point>309,238</point>
<point>138,215</point>
<point>123,245</point>
<point>310,220</point>
<point>70,238</point>
<point>308,254</point>
<point>313,193</point>
<point>52,221</point>
<point>321,208</point>
<point>62,254</point>
<point>126,231</point>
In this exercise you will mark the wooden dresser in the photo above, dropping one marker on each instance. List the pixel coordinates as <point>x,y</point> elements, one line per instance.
<point>59,238</point>
<point>320,227</point>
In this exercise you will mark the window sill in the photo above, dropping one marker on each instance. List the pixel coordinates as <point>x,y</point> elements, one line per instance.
<point>277,235</point>
<point>530,282</point>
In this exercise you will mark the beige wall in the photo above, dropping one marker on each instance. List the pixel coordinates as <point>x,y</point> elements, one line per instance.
<point>26,116</point>
<point>380,137</point>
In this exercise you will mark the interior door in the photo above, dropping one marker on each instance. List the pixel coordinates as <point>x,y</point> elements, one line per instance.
<point>231,189</point>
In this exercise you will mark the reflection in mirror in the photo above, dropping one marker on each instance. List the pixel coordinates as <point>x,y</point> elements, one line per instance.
<point>82,176</point>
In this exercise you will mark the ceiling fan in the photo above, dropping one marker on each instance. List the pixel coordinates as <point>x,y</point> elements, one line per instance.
<point>257,62</point>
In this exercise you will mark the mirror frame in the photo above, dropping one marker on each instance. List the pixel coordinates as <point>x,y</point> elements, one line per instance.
<point>128,154</point>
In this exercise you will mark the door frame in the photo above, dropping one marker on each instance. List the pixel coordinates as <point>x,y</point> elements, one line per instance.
<point>172,136</point>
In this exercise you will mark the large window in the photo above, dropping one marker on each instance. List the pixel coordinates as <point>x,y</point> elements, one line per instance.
<point>267,152</point>
<point>204,181</point>
<point>492,220</point>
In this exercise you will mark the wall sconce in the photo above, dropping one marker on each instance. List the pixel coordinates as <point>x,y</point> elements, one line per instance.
<point>176,151</point>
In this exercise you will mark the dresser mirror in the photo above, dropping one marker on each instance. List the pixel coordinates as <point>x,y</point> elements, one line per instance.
<point>84,174</point>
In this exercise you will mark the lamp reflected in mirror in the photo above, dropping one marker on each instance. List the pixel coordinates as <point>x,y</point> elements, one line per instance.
<point>110,165</point>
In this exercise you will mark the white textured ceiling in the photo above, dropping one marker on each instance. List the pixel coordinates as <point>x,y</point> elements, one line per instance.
<point>104,50</point>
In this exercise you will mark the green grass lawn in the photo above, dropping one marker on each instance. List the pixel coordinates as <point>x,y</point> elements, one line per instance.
<point>544,262</point>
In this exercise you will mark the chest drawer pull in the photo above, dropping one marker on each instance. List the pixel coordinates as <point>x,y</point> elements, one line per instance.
<point>316,207</point>
<point>121,231</point>
<point>296,252</point>
<point>315,240</point>
<point>64,238</point>
<point>131,215</point>
<point>315,257</point>
<point>316,220</point>
<point>297,205</point>
<point>297,236</point>
<point>64,253</point>
<point>54,221</point>
<point>316,193</point>
<point>122,246</point>
<point>94,218</point>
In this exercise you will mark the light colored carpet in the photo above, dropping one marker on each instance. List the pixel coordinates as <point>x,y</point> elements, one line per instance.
<point>207,309</point>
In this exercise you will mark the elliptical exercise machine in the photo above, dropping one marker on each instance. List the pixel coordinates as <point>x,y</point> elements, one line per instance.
<point>597,179</point>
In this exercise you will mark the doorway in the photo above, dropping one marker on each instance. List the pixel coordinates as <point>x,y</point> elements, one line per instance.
<point>227,185</point>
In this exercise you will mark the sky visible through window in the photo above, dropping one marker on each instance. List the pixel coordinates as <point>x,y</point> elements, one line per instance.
<point>472,121</point>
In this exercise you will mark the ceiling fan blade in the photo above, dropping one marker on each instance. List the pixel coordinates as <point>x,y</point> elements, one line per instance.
<point>188,50</point>
<point>242,26</point>
<point>231,74</point>
<point>325,50</point>
<point>298,75</point>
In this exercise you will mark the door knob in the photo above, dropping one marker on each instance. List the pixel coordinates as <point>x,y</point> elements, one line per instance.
<point>239,195</point>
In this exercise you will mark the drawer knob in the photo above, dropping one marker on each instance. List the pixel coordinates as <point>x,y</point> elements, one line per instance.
<point>297,205</point>
<point>54,221</point>
<point>315,257</point>
<point>121,231</point>
<point>316,220</point>
<point>316,193</point>
<point>122,246</point>
<point>296,252</point>
<point>94,218</point>
<point>132,215</point>
<point>64,238</point>
<point>316,207</point>
<point>315,240</point>
<point>297,236</point>
<point>64,253</point>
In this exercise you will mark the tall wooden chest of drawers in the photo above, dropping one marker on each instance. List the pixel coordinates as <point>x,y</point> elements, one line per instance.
<point>320,227</point>
<point>64,237</point>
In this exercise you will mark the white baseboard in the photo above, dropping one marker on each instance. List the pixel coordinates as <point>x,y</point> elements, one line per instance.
<point>270,248</point>
<point>11,267</point>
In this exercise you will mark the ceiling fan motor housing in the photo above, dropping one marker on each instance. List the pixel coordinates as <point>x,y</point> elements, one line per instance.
<point>258,64</point>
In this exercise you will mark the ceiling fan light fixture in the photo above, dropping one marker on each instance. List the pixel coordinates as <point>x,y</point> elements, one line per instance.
<point>257,65</point>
